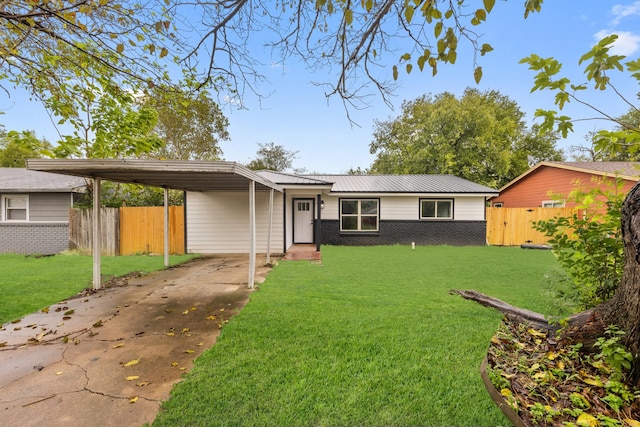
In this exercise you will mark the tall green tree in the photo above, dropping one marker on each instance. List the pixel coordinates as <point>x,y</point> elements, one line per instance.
<point>480,136</point>
<point>190,123</point>
<point>273,157</point>
<point>16,147</point>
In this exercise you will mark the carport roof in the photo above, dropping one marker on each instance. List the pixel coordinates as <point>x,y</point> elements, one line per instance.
<point>174,174</point>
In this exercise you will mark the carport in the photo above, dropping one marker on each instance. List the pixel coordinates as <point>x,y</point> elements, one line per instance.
<point>167,174</point>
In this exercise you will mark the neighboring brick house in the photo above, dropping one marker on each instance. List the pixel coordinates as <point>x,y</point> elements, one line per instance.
<point>539,186</point>
<point>34,210</point>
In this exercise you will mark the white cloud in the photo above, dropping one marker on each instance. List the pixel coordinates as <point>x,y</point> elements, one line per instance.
<point>627,44</point>
<point>621,11</point>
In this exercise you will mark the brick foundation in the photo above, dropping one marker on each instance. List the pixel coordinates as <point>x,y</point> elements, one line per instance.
<point>454,233</point>
<point>34,238</point>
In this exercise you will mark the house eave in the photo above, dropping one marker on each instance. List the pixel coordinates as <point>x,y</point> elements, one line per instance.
<point>175,174</point>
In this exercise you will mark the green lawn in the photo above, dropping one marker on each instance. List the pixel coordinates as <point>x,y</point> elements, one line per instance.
<point>370,337</point>
<point>29,283</point>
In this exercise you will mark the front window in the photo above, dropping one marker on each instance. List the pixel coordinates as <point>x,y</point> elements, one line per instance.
<point>553,203</point>
<point>436,209</point>
<point>359,214</point>
<point>15,208</point>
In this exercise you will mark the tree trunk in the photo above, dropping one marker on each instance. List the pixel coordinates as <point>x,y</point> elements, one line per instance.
<point>622,310</point>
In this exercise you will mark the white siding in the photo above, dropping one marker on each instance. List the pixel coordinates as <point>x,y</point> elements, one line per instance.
<point>218,222</point>
<point>469,209</point>
<point>403,208</point>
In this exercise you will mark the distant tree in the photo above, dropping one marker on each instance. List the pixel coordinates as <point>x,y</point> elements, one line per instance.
<point>190,124</point>
<point>272,157</point>
<point>481,137</point>
<point>604,149</point>
<point>358,171</point>
<point>16,147</point>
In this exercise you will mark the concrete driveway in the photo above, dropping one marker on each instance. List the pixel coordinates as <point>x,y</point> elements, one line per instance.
<point>110,358</point>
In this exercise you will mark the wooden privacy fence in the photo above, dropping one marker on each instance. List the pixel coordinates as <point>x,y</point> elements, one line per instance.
<point>128,231</point>
<point>142,230</point>
<point>514,226</point>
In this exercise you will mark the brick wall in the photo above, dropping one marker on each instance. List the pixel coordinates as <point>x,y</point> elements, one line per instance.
<point>34,238</point>
<point>454,233</point>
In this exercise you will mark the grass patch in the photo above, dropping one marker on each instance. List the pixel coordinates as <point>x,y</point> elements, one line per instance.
<point>370,337</point>
<point>28,283</point>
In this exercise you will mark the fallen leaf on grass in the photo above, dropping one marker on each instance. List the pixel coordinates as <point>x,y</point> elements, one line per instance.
<point>44,309</point>
<point>132,377</point>
<point>131,363</point>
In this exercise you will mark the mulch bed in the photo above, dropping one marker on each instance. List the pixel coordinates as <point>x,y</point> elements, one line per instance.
<point>551,384</point>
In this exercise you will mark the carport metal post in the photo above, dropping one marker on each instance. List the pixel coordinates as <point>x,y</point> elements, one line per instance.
<point>270,225</point>
<point>252,233</point>
<point>97,238</point>
<point>166,227</point>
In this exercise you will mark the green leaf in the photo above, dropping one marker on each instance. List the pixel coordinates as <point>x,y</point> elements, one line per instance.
<point>120,48</point>
<point>488,5</point>
<point>348,16</point>
<point>395,72</point>
<point>477,74</point>
<point>437,29</point>
<point>408,13</point>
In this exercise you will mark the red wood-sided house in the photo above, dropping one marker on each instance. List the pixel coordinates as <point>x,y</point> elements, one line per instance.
<point>547,184</point>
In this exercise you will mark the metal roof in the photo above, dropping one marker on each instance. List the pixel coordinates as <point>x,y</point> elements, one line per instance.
<point>402,184</point>
<point>175,174</point>
<point>20,180</point>
<point>291,179</point>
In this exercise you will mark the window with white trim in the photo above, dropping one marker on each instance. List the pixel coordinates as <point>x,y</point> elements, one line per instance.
<point>359,214</point>
<point>15,207</point>
<point>436,209</point>
<point>553,203</point>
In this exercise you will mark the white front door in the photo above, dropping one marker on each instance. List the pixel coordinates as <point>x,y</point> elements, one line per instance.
<point>303,221</point>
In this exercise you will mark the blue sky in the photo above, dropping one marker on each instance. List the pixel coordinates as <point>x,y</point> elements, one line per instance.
<point>298,116</point>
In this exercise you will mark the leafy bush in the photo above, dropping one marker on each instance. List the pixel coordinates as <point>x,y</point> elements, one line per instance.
<point>588,244</point>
